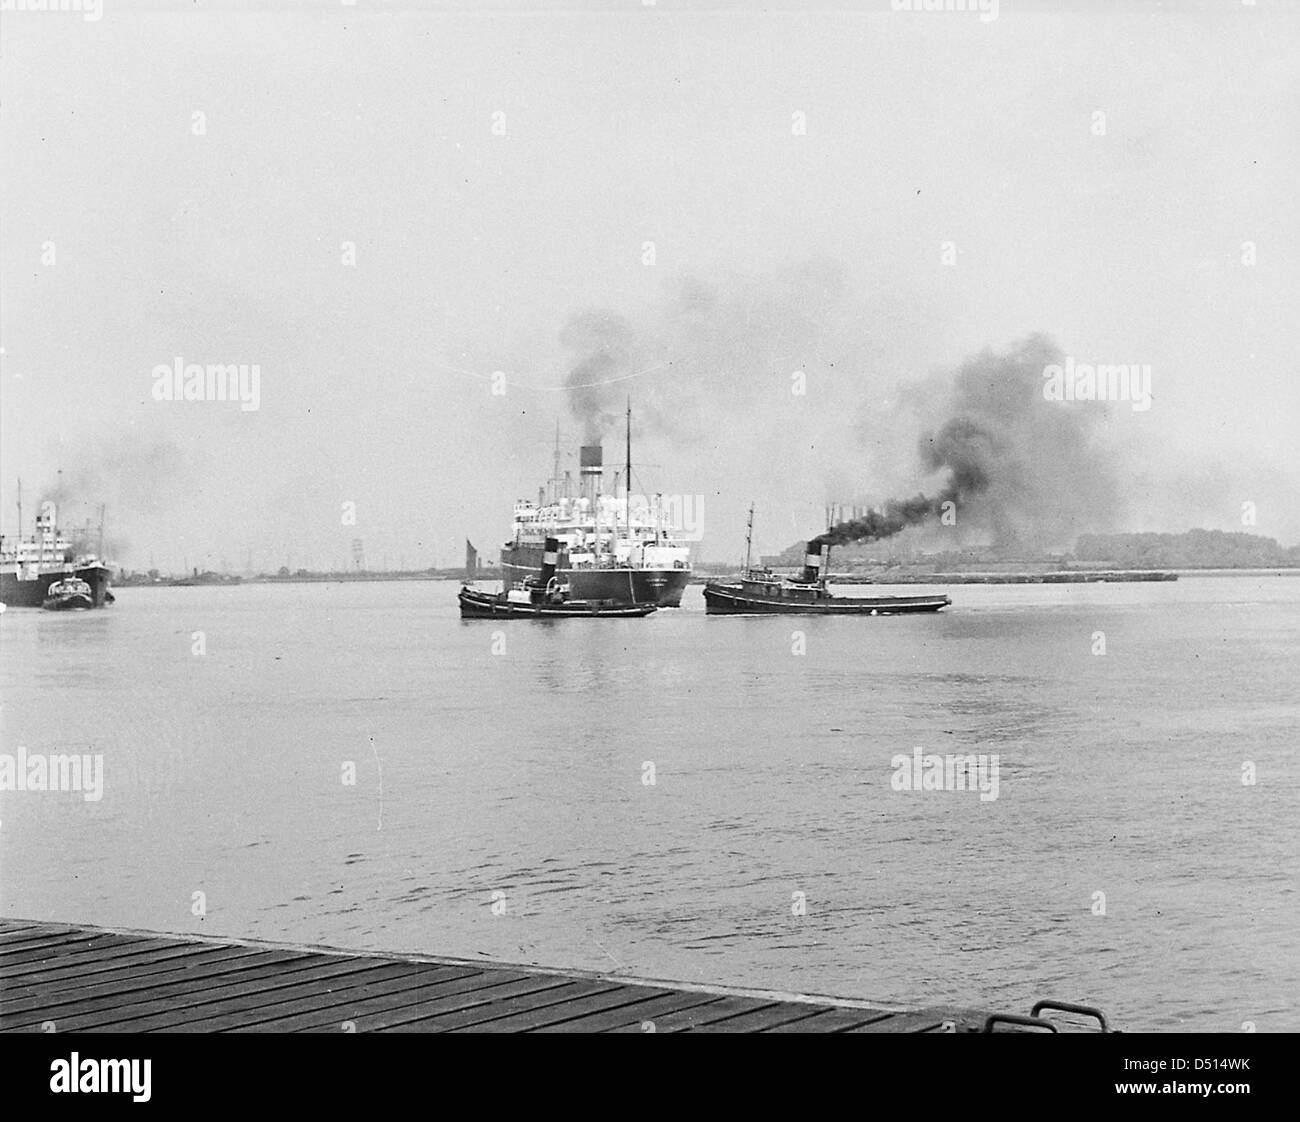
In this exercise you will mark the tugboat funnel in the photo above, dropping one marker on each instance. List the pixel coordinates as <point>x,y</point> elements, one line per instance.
<point>812,563</point>
<point>550,559</point>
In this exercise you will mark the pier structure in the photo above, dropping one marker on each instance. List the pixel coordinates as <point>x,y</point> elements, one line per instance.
<point>61,978</point>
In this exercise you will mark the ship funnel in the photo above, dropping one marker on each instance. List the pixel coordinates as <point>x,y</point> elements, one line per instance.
<point>550,559</point>
<point>812,563</point>
<point>591,465</point>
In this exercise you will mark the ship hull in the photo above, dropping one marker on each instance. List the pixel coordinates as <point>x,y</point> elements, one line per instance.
<point>98,577</point>
<point>68,604</point>
<point>661,587</point>
<point>722,599</point>
<point>15,593</point>
<point>486,605</point>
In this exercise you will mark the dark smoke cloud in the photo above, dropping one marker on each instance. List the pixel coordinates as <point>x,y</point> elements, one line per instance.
<point>606,347</point>
<point>129,475</point>
<point>892,518</point>
<point>1030,472</point>
<point>709,348</point>
<point>1018,470</point>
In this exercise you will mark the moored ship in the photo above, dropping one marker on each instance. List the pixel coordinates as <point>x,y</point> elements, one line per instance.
<point>29,567</point>
<point>611,548</point>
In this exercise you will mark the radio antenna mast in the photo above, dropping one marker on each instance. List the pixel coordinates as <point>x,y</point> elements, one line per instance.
<point>627,479</point>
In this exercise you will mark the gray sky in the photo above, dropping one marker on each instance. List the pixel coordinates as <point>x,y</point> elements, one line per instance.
<point>625,124</point>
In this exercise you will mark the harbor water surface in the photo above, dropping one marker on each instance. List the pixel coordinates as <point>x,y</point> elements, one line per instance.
<point>693,798</point>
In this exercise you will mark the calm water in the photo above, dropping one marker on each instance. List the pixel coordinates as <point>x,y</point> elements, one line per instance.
<point>527,772</point>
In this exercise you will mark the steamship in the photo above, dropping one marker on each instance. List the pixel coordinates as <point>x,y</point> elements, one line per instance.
<point>610,547</point>
<point>30,566</point>
<point>763,592</point>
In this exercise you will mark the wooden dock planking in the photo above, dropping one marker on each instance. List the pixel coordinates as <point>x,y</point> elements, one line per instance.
<point>82,954</point>
<point>20,936</point>
<point>695,1017</point>
<point>234,979</point>
<point>468,1002</point>
<point>53,937</point>
<point>833,1020</point>
<point>537,996</point>
<point>635,1016</point>
<point>249,997</point>
<point>124,986</point>
<point>263,1005</point>
<point>378,1009</point>
<point>26,930</point>
<point>471,1004</point>
<point>784,1013</point>
<point>62,976</point>
<point>558,1013</point>
<point>56,978</point>
<point>37,951</point>
<point>87,980</point>
<point>924,1020</point>
<point>369,990</point>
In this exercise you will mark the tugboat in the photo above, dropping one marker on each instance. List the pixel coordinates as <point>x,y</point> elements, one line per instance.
<point>70,594</point>
<point>545,596</point>
<point>762,592</point>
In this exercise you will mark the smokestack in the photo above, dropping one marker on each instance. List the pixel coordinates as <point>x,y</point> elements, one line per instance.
<point>812,563</point>
<point>550,559</point>
<point>591,466</point>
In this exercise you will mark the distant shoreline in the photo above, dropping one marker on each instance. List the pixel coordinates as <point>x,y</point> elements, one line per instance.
<point>1047,576</point>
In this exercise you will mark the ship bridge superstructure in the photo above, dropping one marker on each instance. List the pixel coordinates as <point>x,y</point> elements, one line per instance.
<point>47,550</point>
<point>603,529</point>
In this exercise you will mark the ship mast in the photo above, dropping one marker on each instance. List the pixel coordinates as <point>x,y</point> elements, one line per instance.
<point>627,479</point>
<point>555,471</point>
<point>826,552</point>
<point>749,538</point>
<point>20,510</point>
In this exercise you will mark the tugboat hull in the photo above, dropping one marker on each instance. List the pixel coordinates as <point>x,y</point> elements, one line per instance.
<point>69,595</point>
<point>68,604</point>
<point>486,605</point>
<point>722,599</point>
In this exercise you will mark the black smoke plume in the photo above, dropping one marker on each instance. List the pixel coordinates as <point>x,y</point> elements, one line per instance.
<point>1028,470</point>
<point>605,344</point>
<point>129,475</point>
<point>892,518</point>
<point>708,348</point>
